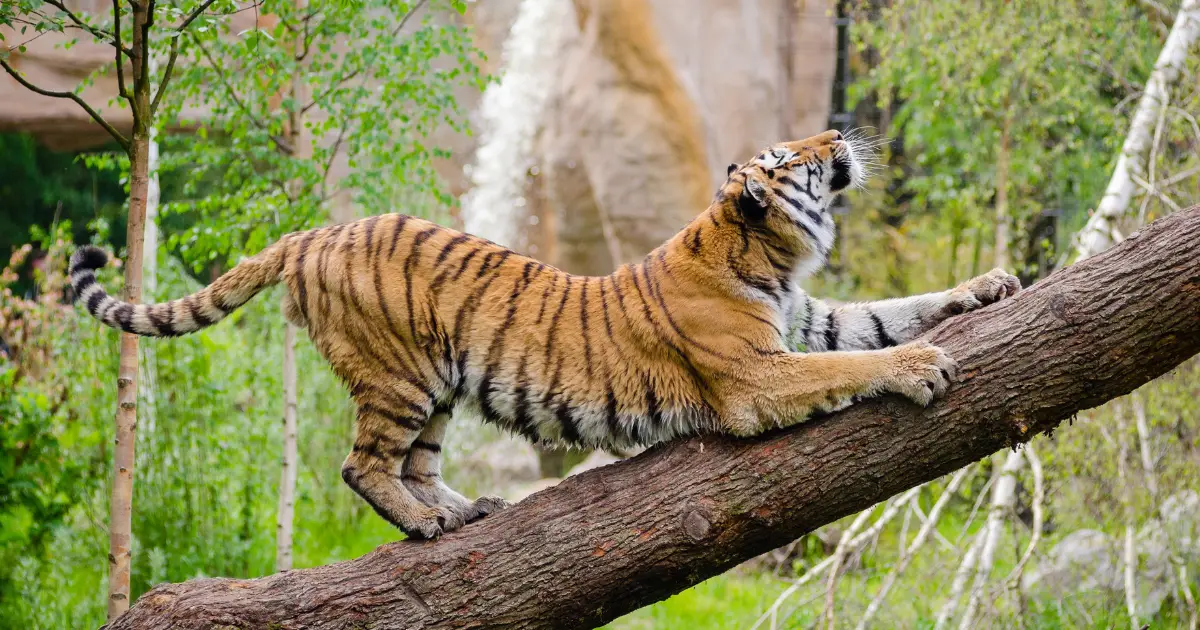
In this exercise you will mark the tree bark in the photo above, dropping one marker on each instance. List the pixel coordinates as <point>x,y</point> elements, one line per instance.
<point>613,539</point>
<point>121,505</point>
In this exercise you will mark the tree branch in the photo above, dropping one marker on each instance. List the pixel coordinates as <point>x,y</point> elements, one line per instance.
<point>194,14</point>
<point>98,33</point>
<point>121,140</point>
<point>616,538</point>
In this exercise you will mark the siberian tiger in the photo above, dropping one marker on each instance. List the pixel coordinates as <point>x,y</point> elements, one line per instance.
<point>709,333</point>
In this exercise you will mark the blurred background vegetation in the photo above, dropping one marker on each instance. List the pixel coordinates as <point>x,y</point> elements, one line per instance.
<point>1001,118</point>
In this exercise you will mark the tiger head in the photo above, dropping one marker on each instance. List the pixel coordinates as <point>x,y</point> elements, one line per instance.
<point>788,187</point>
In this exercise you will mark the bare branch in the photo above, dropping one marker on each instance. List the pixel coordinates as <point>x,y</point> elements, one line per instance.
<point>121,140</point>
<point>166,80</point>
<point>1039,496</point>
<point>120,61</point>
<point>908,554</point>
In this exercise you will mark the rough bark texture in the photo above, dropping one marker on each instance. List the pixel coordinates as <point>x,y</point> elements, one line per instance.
<point>613,539</point>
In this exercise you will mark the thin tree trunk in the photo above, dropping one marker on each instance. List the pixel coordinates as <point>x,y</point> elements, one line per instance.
<point>301,143</point>
<point>613,539</point>
<point>1101,231</point>
<point>1003,221</point>
<point>121,515</point>
<point>287,478</point>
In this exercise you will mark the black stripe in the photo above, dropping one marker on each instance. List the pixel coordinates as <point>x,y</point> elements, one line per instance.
<point>407,422</point>
<point>695,244</point>
<point>124,316</point>
<point>163,326</point>
<point>470,305</point>
<point>462,266</point>
<point>414,252</point>
<point>401,221</point>
<point>449,247</point>
<point>198,316</point>
<point>570,430</point>
<point>488,264</point>
<point>831,333</point>
<point>653,412</point>
<point>610,412</point>
<point>329,243</point>
<point>522,420</point>
<point>427,446</point>
<point>545,297</point>
<point>604,307</point>
<point>301,287</point>
<point>554,319</point>
<point>84,283</point>
<point>885,340</point>
<point>583,329</point>
<point>94,301</point>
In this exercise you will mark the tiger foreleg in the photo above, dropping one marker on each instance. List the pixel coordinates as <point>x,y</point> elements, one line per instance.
<point>819,327</point>
<point>788,388</point>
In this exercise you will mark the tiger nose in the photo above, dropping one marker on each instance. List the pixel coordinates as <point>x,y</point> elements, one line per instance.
<point>835,135</point>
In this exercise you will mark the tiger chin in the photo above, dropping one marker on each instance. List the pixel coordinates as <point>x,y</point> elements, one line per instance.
<point>710,333</point>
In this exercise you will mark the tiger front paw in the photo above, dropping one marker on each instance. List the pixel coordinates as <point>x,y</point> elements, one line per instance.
<point>981,291</point>
<point>920,372</point>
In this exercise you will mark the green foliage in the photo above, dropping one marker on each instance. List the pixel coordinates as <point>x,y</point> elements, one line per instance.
<point>1038,81</point>
<point>374,79</point>
<point>40,184</point>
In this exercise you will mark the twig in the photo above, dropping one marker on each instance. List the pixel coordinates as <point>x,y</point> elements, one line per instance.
<point>162,87</point>
<point>915,506</point>
<point>839,554</point>
<point>960,581</point>
<point>96,32</point>
<point>121,89</point>
<point>194,14</point>
<point>908,554</point>
<point>1129,556</point>
<point>1004,494</point>
<point>72,96</point>
<point>1039,496</point>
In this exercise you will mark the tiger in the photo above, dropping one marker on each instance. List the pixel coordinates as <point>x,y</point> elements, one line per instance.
<point>709,333</point>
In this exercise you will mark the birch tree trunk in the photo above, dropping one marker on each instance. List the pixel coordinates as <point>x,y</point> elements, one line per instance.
<point>287,477</point>
<point>121,507</point>
<point>301,143</point>
<point>1101,230</point>
<point>1003,221</point>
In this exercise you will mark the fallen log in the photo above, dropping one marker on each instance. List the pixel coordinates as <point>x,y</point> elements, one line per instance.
<point>614,539</point>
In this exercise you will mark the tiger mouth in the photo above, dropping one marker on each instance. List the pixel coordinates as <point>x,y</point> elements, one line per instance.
<point>842,176</point>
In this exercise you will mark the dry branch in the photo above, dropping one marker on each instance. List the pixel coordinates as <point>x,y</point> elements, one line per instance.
<point>610,540</point>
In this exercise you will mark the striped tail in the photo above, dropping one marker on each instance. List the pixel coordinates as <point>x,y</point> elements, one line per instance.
<point>177,317</point>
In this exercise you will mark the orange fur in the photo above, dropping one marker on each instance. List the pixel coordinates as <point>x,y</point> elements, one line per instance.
<point>417,318</point>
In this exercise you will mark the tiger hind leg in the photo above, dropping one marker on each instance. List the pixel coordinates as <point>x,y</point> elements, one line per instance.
<point>383,439</point>
<point>422,475</point>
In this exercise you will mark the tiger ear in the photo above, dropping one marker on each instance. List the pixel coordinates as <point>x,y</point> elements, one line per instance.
<point>729,171</point>
<point>752,203</point>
